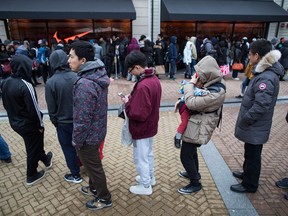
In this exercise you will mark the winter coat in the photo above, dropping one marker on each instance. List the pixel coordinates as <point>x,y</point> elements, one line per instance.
<point>284,56</point>
<point>59,89</point>
<point>187,53</point>
<point>98,52</point>
<point>159,52</point>
<point>20,99</point>
<point>133,45</point>
<point>255,116</point>
<point>147,50</point>
<point>90,104</point>
<point>143,106</point>
<point>207,108</point>
<point>194,50</point>
<point>172,49</point>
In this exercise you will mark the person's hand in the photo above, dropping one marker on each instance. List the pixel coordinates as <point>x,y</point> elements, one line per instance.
<point>194,79</point>
<point>125,99</point>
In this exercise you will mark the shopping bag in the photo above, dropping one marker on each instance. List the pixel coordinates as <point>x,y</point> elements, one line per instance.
<point>160,69</point>
<point>126,137</point>
<point>225,69</point>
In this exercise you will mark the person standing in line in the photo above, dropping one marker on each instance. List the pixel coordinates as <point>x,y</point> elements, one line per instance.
<point>20,101</point>
<point>283,183</point>
<point>254,120</point>
<point>172,57</point>
<point>59,98</point>
<point>205,115</point>
<point>90,119</point>
<point>245,83</point>
<point>142,108</point>
<point>5,154</point>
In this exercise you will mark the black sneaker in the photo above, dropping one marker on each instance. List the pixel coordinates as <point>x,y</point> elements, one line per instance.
<point>184,174</point>
<point>7,160</point>
<point>87,191</point>
<point>177,142</point>
<point>189,189</point>
<point>286,196</point>
<point>73,178</point>
<point>50,156</point>
<point>36,177</point>
<point>98,203</point>
<point>239,96</point>
<point>282,183</point>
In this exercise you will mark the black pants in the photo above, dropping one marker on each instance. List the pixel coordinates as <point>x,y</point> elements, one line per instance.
<point>189,159</point>
<point>90,157</point>
<point>34,144</point>
<point>252,166</point>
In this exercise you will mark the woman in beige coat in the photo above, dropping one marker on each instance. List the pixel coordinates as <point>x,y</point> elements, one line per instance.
<point>206,113</point>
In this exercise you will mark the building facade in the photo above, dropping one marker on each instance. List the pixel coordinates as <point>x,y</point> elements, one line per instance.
<point>132,18</point>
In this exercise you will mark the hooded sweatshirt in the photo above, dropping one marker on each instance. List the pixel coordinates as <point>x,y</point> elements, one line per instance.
<point>59,89</point>
<point>20,99</point>
<point>90,104</point>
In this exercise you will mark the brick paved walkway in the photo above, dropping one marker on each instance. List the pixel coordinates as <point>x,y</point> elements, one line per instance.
<point>54,196</point>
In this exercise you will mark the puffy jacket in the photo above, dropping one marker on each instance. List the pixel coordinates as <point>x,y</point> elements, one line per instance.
<point>255,116</point>
<point>187,53</point>
<point>172,50</point>
<point>207,108</point>
<point>90,104</point>
<point>20,99</point>
<point>143,106</point>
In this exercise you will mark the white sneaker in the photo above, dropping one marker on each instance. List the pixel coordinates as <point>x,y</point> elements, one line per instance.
<point>236,78</point>
<point>141,190</point>
<point>152,182</point>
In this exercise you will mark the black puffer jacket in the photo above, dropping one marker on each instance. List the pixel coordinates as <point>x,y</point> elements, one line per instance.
<point>19,97</point>
<point>255,116</point>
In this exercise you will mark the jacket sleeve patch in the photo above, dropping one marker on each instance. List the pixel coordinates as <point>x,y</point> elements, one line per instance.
<point>262,86</point>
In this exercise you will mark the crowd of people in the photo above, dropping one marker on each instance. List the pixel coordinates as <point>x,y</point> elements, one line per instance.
<point>76,91</point>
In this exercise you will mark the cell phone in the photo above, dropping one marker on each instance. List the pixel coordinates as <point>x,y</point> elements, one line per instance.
<point>120,94</point>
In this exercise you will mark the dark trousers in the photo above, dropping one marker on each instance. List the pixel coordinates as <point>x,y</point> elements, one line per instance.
<point>189,159</point>
<point>90,158</point>
<point>34,144</point>
<point>252,166</point>
<point>64,132</point>
<point>44,70</point>
<point>172,68</point>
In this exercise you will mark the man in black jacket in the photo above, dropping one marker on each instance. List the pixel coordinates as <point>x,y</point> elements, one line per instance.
<point>20,101</point>
<point>59,98</point>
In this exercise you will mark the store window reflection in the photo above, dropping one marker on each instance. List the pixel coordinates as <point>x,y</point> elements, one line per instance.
<point>20,29</point>
<point>249,30</point>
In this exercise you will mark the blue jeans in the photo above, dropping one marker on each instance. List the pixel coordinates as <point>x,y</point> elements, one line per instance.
<point>244,84</point>
<point>192,64</point>
<point>4,149</point>
<point>64,132</point>
<point>172,67</point>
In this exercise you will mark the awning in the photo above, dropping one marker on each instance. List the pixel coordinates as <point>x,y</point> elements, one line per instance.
<point>222,10</point>
<point>67,9</point>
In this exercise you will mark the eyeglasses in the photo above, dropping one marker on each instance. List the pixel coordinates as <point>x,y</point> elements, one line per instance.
<point>131,69</point>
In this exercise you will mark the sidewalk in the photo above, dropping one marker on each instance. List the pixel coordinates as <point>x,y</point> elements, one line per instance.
<point>54,196</point>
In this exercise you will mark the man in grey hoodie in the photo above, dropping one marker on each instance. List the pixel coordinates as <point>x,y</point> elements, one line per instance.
<point>59,98</point>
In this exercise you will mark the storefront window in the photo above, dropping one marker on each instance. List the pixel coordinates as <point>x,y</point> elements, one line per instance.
<point>249,30</point>
<point>217,30</point>
<point>34,30</point>
<point>178,29</point>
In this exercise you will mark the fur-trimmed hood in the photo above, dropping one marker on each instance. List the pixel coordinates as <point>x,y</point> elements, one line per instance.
<point>270,60</point>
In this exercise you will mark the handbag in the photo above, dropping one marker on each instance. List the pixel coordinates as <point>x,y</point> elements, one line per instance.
<point>237,66</point>
<point>6,68</point>
<point>225,69</point>
<point>121,111</point>
<point>126,137</point>
<point>160,69</point>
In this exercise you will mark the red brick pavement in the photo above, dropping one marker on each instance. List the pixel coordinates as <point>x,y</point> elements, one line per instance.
<point>267,201</point>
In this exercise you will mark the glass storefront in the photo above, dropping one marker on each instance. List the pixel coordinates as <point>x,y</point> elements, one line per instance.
<point>21,29</point>
<point>233,31</point>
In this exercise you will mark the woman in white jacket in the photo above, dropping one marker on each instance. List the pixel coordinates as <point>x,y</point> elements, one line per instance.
<point>187,53</point>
